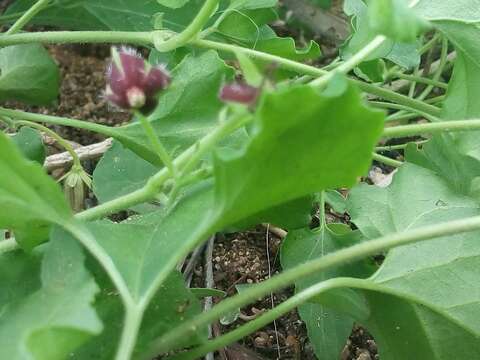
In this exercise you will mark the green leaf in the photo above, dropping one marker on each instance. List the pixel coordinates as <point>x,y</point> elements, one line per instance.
<point>172,305</point>
<point>336,201</point>
<point>54,320</point>
<point>174,4</point>
<point>295,145</point>
<point>116,15</point>
<point>28,74</point>
<point>394,19</point>
<point>429,285</point>
<point>19,274</point>
<point>33,199</point>
<point>328,329</point>
<point>403,54</point>
<point>30,143</point>
<point>119,172</point>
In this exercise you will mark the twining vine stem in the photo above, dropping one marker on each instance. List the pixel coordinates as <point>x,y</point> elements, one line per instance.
<point>149,38</point>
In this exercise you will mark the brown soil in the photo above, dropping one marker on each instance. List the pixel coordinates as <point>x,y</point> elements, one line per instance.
<point>81,94</point>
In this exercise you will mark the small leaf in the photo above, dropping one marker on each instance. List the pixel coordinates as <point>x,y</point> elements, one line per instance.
<point>396,20</point>
<point>54,320</point>
<point>322,316</point>
<point>33,199</point>
<point>403,54</point>
<point>336,201</point>
<point>30,143</point>
<point>28,74</point>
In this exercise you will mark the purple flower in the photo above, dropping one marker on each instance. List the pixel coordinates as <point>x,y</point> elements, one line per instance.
<point>132,83</point>
<point>239,92</point>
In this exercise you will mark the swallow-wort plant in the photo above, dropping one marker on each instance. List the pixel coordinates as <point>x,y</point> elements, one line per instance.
<point>233,126</point>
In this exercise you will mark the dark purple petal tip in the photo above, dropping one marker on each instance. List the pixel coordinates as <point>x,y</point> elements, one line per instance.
<point>239,93</point>
<point>132,83</point>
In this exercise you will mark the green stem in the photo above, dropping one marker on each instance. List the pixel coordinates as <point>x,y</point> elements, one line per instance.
<point>147,38</point>
<point>265,319</point>
<point>155,183</point>
<point>27,16</point>
<point>101,129</point>
<point>8,245</point>
<point>64,143</point>
<point>399,147</point>
<point>347,255</point>
<point>191,31</point>
<point>387,105</point>
<point>316,72</point>
<point>131,327</point>
<point>351,63</point>
<point>162,153</point>
<point>386,160</point>
<point>432,128</point>
<point>438,73</point>
<point>422,80</point>
<point>60,37</point>
<point>55,120</point>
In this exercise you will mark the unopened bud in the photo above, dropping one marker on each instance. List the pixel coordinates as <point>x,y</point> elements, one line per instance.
<point>239,92</point>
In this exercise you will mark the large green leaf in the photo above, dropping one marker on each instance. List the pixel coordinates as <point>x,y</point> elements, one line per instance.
<point>34,200</point>
<point>328,329</point>
<point>51,322</point>
<point>28,74</point>
<point>325,143</point>
<point>430,285</point>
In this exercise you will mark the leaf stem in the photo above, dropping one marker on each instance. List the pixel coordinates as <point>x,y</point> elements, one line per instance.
<point>192,30</point>
<point>62,37</point>
<point>387,105</point>
<point>431,128</point>
<point>27,16</point>
<point>351,63</point>
<point>162,153</point>
<point>64,143</point>
<point>8,245</point>
<point>386,160</point>
<point>353,253</point>
<point>131,327</point>
<point>108,131</point>
<point>265,319</point>
<point>421,79</point>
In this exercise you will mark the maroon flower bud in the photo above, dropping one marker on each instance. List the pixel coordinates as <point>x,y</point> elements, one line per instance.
<point>239,92</point>
<point>132,83</point>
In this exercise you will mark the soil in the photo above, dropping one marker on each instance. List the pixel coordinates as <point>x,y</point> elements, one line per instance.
<point>239,258</point>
